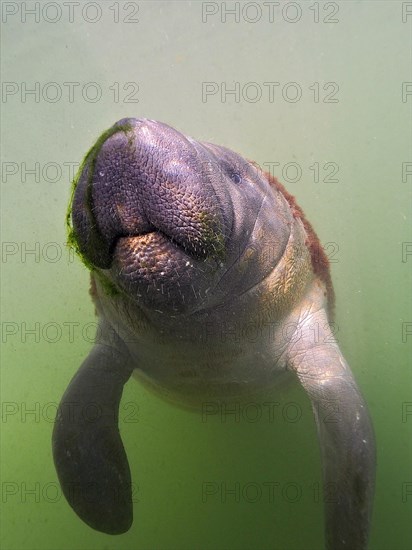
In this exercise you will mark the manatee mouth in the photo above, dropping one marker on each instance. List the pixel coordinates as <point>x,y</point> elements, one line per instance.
<point>152,263</point>
<point>198,241</point>
<point>144,209</point>
<point>148,249</point>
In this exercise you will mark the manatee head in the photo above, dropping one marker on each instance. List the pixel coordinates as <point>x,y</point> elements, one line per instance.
<point>174,224</point>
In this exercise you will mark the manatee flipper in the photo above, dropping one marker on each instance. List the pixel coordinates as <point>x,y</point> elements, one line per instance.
<point>88,452</point>
<point>345,433</point>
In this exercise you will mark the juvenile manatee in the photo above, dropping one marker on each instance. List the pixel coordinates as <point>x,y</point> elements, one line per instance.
<point>183,238</point>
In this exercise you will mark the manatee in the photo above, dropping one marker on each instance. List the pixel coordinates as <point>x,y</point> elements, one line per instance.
<point>188,243</point>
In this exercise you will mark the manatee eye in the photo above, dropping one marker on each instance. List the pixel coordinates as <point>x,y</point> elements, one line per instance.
<point>236,178</point>
<point>230,170</point>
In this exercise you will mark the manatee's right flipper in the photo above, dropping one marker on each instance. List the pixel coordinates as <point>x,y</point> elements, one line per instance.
<point>345,433</point>
<point>88,453</point>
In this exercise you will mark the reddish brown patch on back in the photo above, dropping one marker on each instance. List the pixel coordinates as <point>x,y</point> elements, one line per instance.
<point>320,262</point>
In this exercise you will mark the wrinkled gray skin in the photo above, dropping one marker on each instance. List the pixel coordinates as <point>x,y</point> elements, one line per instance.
<point>190,245</point>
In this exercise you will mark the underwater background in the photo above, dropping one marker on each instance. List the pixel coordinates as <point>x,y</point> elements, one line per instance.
<point>319,91</point>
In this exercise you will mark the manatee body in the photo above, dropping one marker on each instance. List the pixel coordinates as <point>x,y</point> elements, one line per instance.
<point>188,245</point>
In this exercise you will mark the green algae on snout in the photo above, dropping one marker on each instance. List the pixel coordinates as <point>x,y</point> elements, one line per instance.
<point>89,163</point>
<point>212,238</point>
<point>90,160</point>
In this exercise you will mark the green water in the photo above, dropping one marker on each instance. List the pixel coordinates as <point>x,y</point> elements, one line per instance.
<point>160,58</point>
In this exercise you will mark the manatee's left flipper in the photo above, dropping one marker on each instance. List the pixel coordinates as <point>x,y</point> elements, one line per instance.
<point>345,433</point>
<point>88,452</point>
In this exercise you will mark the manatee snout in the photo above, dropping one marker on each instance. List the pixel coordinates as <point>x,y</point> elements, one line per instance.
<point>145,209</point>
